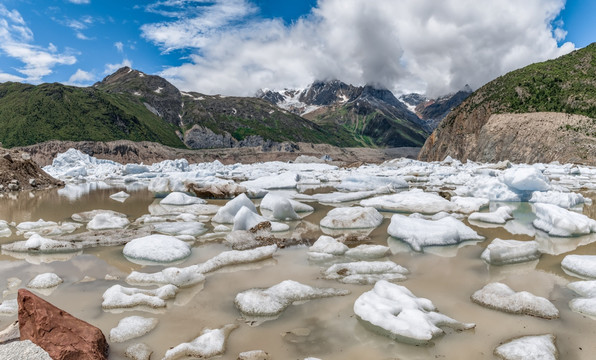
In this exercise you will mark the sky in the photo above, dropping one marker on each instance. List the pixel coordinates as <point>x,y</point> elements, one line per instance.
<point>235,47</point>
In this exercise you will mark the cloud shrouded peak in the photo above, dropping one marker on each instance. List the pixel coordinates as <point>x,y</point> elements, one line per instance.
<point>401,45</point>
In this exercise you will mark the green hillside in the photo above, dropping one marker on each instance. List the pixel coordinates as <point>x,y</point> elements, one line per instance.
<point>31,114</point>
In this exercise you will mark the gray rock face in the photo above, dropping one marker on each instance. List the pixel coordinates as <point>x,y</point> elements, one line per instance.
<point>19,350</point>
<point>199,137</point>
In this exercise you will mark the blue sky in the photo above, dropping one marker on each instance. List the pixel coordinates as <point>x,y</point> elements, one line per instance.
<point>238,46</point>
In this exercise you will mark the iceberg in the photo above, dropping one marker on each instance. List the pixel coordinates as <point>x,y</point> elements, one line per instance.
<point>366,272</point>
<point>538,347</point>
<point>212,342</point>
<point>499,296</point>
<point>352,218</point>
<point>499,216</point>
<point>504,252</point>
<point>582,266</point>
<point>226,214</point>
<point>157,248</point>
<point>557,221</point>
<point>132,327</point>
<point>120,297</point>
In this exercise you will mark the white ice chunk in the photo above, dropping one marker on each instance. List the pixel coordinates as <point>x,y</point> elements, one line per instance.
<point>212,342</point>
<point>365,272</point>
<point>526,178</point>
<point>352,218</point>
<point>194,274</point>
<point>45,281</point>
<point>587,303</point>
<point>120,196</point>
<point>138,351</point>
<point>272,301</point>
<point>489,188</point>
<point>36,226</point>
<point>366,251</point>
<point>340,197</point>
<point>499,216</point>
<point>4,229</point>
<point>363,182</point>
<point>180,199</point>
<point>468,205</point>
<point>227,213</point>
<point>540,347</point>
<point>246,219</point>
<point>395,312</point>
<point>414,200</point>
<point>583,266</point>
<point>9,307</point>
<point>270,200</point>
<point>87,216</point>
<point>503,252</point>
<point>565,200</point>
<point>132,327</point>
<point>120,297</point>
<point>157,248</point>
<point>280,207</point>
<point>134,169</point>
<point>191,228</point>
<point>499,296</point>
<point>38,243</point>
<point>420,233</point>
<point>286,180</point>
<point>328,245</point>
<point>557,221</point>
<point>105,221</point>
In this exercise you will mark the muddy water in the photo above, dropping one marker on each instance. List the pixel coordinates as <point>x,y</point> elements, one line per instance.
<point>325,328</point>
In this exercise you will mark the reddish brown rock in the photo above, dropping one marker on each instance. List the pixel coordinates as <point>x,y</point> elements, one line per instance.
<point>62,335</point>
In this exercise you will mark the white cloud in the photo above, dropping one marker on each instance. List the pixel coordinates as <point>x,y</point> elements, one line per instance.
<point>437,46</point>
<point>110,68</point>
<point>80,1</point>
<point>15,42</point>
<point>119,46</point>
<point>81,77</point>
<point>10,77</point>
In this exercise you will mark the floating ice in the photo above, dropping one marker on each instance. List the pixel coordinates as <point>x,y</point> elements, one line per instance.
<point>184,210</point>
<point>414,200</point>
<point>503,252</point>
<point>37,243</point>
<point>340,197</point>
<point>157,248</point>
<point>120,196</point>
<point>280,207</point>
<point>246,219</point>
<point>367,251</point>
<point>587,303</point>
<point>272,301</point>
<point>365,272</point>
<point>9,307</point>
<point>132,327</point>
<point>397,313</point>
<point>36,226</point>
<point>286,180</point>
<point>540,347</point>
<point>163,185</point>
<point>499,216</point>
<point>254,355</point>
<point>130,169</point>
<point>361,183</point>
<point>139,351</point>
<point>193,274</point>
<point>191,228</point>
<point>489,188</point>
<point>419,233</point>
<point>468,204</point>
<point>557,221</point>
<point>212,342</point>
<point>105,221</point>
<point>565,200</point>
<point>120,297</point>
<point>582,266</point>
<point>270,200</point>
<point>525,178</point>
<point>352,218</point>
<point>227,213</point>
<point>499,296</point>
<point>45,281</point>
<point>328,245</point>
<point>87,216</point>
<point>4,229</point>
<point>180,198</point>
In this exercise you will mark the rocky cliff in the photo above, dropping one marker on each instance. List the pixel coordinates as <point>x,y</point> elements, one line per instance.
<point>541,113</point>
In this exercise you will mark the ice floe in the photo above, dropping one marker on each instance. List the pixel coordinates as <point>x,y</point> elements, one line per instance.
<point>363,183</point>
<point>194,274</point>
<point>132,327</point>
<point>139,351</point>
<point>282,208</point>
<point>396,312</point>
<point>414,200</point>
<point>246,219</point>
<point>86,216</point>
<point>526,178</point>
<point>328,245</point>
<point>157,248</point>
<point>499,296</point>
<point>9,307</point>
<point>106,221</point>
<point>582,266</point>
<point>120,297</point>
<point>39,244</point>
<point>504,252</point>
<point>226,214</point>
<point>499,216</point>
<point>356,217</point>
<point>557,221</point>
<point>180,199</point>
<point>341,197</point>
<point>286,180</point>
<point>45,281</point>
<point>365,272</point>
<point>272,301</point>
<point>210,343</point>
<point>191,228</point>
<point>120,196</point>
<point>4,229</point>
<point>565,200</point>
<point>586,304</point>
<point>419,233</point>
<point>537,347</point>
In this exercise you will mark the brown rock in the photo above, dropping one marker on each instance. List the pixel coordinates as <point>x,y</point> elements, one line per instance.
<point>62,335</point>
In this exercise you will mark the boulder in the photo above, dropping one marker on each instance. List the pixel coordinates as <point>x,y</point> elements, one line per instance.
<point>62,335</point>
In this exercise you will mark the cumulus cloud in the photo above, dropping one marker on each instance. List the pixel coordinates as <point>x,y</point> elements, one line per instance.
<point>422,45</point>
<point>110,68</point>
<point>15,42</point>
<point>81,77</point>
<point>119,46</point>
